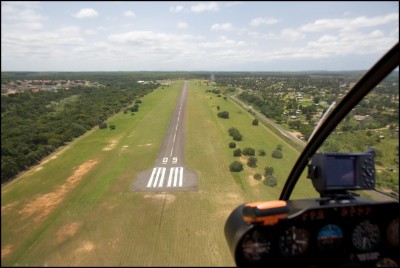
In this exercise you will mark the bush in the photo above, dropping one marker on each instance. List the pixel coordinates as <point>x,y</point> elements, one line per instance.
<point>237,152</point>
<point>112,127</point>
<point>277,154</point>
<point>235,134</point>
<point>236,166</point>
<point>257,176</point>
<point>270,181</point>
<point>262,153</point>
<point>252,162</point>
<point>249,151</point>
<point>223,114</point>
<point>102,125</point>
<point>237,137</point>
<point>255,122</point>
<point>232,145</point>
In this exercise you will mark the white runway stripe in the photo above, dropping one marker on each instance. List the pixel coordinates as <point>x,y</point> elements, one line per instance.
<point>162,178</point>
<point>180,176</point>
<point>151,177</point>
<point>170,178</point>
<point>175,177</point>
<point>157,176</point>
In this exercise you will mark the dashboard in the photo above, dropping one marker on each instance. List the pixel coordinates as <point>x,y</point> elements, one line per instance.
<point>354,232</point>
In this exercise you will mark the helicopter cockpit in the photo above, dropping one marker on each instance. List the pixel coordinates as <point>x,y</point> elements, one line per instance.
<point>344,227</point>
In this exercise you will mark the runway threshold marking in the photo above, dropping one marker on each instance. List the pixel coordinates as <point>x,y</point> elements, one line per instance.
<point>175,177</point>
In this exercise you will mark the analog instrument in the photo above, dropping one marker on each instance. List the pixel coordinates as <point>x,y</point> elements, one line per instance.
<point>366,236</point>
<point>294,241</point>
<point>330,237</point>
<point>255,246</point>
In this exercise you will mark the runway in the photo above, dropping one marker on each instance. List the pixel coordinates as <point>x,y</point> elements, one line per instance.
<point>169,172</point>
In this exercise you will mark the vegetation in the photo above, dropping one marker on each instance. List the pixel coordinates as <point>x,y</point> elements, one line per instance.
<point>223,114</point>
<point>277,153</point>
<point>236,166</point>
<point>34,124</point>
<point>249,151</point>
<point>237,152</point>
<point>257,176</point>
<point>232,145</point>
<point>102,207</point>
<point>252,162</point>
<point>235,134</point>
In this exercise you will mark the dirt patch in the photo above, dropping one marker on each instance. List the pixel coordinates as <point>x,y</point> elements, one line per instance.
<point>67,231</point>
<point>86,247</point>
<point>107,206</point>
<point>147,144</point>
<point>43,205</point>
<point>111,145</point>
<point>253,182</point>
<point>7,207</point>
<point>169,198</point>
<point>6,251</point>
<point>243,160</point>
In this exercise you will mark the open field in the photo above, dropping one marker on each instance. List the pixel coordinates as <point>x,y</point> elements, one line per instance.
<point>77,209</point>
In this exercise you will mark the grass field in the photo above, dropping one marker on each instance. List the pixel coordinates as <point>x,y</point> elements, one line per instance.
<point>77,208</point>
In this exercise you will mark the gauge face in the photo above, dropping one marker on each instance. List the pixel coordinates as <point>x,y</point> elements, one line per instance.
<point>255,246</point>
<point>366,236</point>
<point>294,241</point>
<point>330,237</point>
<point>392,233</point>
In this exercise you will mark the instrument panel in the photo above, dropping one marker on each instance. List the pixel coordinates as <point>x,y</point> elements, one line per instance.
<point>356,233</point>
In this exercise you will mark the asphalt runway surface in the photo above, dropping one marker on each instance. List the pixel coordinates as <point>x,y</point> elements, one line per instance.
<point>169,173</point>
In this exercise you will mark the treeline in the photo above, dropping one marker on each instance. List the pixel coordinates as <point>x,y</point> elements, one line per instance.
<point>33,125</point>
<point>102,76</point>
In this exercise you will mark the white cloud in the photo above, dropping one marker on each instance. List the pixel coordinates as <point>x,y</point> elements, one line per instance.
<point>182,25</point>
<point>292,34</point>
<point>176,9</point>
<point>86,13</point>
<point>259,21</point>
<point>359,22</point>
<point>90,32</point>
<point>129,13</point>
<point>224,26</point>
<point>211,6</point>
<point>223,42</point>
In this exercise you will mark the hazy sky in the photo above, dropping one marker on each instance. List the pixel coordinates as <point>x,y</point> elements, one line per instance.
<point>191,36</point>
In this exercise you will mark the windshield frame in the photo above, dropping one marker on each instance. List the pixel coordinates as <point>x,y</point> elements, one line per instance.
<point>366,83</point>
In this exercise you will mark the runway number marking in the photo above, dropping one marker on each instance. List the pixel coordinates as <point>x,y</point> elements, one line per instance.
<point>165,160</point>
<point>174,160</point>
<point>175,177</point>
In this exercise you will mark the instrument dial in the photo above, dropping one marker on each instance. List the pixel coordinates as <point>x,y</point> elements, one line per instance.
<point>294,242</point>
<point>255,246</point>
<point>330,237</point>
<point>366,236</point>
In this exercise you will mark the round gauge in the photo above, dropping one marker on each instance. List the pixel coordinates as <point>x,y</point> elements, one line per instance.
<point>330,237</point>
<point>294,241</point>
<point>392,233</point>
<point>255,246</point>
<point>366,236</point>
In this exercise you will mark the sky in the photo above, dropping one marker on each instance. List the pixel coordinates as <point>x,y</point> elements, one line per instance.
<point>196,36</point>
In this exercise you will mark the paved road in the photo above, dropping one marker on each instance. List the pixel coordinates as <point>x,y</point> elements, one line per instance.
<point>169,173</point>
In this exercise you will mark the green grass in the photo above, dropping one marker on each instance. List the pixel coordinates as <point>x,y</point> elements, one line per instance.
<point>101,222</point>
